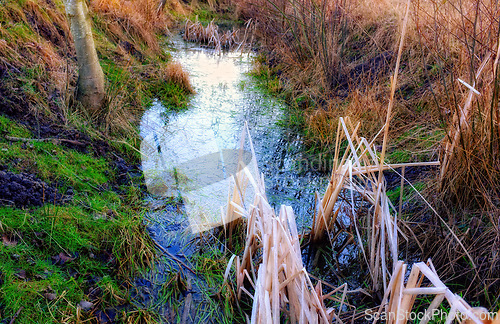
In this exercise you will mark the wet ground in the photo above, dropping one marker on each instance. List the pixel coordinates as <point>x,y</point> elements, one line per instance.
<point>176,145</point>
<point>24,190</point>
<point>227,97</point>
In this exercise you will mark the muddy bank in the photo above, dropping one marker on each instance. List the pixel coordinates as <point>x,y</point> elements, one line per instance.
<point>25,190</point>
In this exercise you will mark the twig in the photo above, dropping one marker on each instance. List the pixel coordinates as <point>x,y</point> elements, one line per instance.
<point>172,256</point>
<point>187,303</point>
<point>48,139</point>
<point>16,315</point>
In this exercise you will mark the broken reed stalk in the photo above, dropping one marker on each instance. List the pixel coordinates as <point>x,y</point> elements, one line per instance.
<point>460,122</point>
<point>380,184</point>
<point>272,262</point>
<point>399,298</point>
<point>357,172</point>
<point>360,158</point>
<point>232,218</point>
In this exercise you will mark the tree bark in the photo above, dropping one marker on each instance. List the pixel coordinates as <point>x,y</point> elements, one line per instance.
<point>90,90</point>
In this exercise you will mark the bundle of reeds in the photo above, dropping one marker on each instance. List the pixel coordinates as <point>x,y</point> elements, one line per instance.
<point>399,298</point>
<point>210,35</point>
<point>357,171</point>
<point>272,262</point>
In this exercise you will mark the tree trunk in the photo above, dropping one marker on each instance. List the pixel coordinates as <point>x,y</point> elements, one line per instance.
<point>90,90</point>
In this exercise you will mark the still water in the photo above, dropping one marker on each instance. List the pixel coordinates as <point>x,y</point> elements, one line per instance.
<point>187,156</point>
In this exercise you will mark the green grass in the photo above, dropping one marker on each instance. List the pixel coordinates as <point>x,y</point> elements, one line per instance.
<point>219,297</point>
<point>408,192</point>
<point>170,94</point>
<point>416,144</point>
<point>85,232</point>
<point>101,229</point>
<point>53,163</point>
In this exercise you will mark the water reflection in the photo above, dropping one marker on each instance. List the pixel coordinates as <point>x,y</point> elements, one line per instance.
<point>191,153</point>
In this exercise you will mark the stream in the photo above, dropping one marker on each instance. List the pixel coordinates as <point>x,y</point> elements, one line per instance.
<point>187,162</point>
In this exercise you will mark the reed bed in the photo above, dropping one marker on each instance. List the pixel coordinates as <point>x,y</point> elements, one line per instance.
<point>453,48</point>
<point>357,171</point>
<point>272,262</point>
<point>211,36</point>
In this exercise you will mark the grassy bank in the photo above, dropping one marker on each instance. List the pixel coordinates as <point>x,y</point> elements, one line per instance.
<point>71,211</point>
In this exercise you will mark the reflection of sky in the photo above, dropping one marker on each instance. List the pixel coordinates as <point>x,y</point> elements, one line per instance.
<point>213,122</point>
<point>225,98</point>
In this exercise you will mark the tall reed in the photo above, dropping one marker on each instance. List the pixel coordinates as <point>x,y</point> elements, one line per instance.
<point>462,38</point>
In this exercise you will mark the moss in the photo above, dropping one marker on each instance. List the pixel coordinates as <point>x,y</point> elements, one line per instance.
<point>408,192</point>
<point>9,127</point>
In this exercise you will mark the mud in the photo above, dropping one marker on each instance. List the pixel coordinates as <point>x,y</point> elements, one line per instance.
<point>25,190</point>
<point>412,174</point>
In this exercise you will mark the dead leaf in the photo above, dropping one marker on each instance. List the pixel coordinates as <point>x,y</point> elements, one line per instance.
<point>8,240</point>
<point>85,305</point>
<point>21,274</point>
<point>50,296</point>
<point>62,258</point>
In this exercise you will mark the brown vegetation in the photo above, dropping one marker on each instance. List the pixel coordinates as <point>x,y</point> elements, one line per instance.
<point>173,72</point>
<point>334,58</point>
<point>139,21</point>
<point>39,70</point>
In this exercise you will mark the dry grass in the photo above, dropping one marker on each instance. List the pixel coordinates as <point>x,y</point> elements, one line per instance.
<point>138,19</point>
<point>173,72</point>
<point>340,55</point>
<point>461,46</point>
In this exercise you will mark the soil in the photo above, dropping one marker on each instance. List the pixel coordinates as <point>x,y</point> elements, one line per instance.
<point>24,190</point>
<point>412,174</point>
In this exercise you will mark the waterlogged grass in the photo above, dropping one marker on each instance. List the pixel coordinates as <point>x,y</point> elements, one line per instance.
<point>171,95</point>
<point>219,296</point>
<point>267,77</point>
